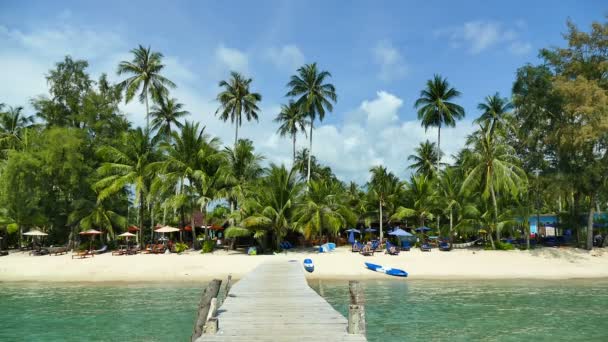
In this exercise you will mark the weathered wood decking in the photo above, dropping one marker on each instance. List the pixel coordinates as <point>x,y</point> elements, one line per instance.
<point>274,303</point>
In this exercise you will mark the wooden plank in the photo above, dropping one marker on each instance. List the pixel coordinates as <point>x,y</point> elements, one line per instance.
<point>274,303</point>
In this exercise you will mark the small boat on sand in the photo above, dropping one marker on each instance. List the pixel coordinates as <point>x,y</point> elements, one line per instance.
<point>308,265</point>
<point>390,271</point>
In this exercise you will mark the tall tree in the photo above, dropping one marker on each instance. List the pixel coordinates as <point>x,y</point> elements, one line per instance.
<point>426,159</point>
<point>314,96</point>
<point>292,121</point>
<point>422,200</point>
<point>494,112</point>
<point>12,123</point>
<point>165,114</point>
<point>384,185</point>
<point>243,168</point>
<point>129,165</point>
<point>237,99</point>
<point>495,170</point>
<point>435,106</point>
<point>144,72</point>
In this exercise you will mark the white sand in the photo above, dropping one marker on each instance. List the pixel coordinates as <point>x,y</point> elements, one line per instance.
<point>546,263</point>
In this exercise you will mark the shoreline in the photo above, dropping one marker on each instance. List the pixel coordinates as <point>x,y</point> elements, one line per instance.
<point>550,264</point>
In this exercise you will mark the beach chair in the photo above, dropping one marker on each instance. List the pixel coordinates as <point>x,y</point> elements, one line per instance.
<point>120,251</point>
<point>425,247</point>
<point>159,249</point>
<point>58,250</point>
<point>375,245</point>
<point>444,246</point>
<point>391,249</point>
<point>357,246</point>
<point>82,254</point>
<point>367,250</point>
<point>102,250</point>
<point>405,245</point>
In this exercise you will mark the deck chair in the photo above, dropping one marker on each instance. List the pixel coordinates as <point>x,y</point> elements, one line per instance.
<point>367,250</point>
<point>425,247</point>
<point>391,249</point>
<point>357,246</point>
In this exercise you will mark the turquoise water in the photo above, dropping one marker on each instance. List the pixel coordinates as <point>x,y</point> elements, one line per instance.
<point>396,311</point>
<point>479,310</point>
<point>50,312</point>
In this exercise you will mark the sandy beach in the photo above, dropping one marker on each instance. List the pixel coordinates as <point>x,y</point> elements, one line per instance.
<point>545,263</point>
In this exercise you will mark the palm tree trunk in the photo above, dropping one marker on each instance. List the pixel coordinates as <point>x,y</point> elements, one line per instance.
<point>451,227</point>
<point>147,110</point>
<point>381,234</point>
<point>309,152</point>
<point>589,244</point>
<point>151,220</point>
<point>495,205</point>
<point>527,228</point>
<point>192,226</point>
<point>438,147</point>
<point>236,135</point>
<point>294,149</point>
<point>141,216</point>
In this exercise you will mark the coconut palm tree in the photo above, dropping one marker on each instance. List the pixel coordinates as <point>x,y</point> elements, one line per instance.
<point>384,186</point>
<point>96,214</point>
<point>243,167</point>
<point>313,95</point>
<point>129,165</point>
<point>449,196</point>
<point>188,156</point>
<point>495,169</point>
<point>494,112</point>
<point>12,123</point>
<point>435,106</point>
<point>270,209</point>
<point>237,99</point>
<point>292,121</point>
<point>144,72</point>
<point>165,114</point>
<point>422,200</point>
<point>324,210</point>
<point>425,160</point>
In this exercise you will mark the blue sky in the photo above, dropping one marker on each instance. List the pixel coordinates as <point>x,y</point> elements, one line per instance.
<point>379,52</point>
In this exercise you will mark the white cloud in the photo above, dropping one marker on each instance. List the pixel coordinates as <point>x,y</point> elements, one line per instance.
<point>390,60</point>
<point>287,57</point>
<point>480,35</point>
<point>232,59</point>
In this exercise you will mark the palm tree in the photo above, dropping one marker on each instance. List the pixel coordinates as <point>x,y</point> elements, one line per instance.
<point>145,73</point>
<point>243,168</point>
<point>494,112</point>
<point>422,200</point>
<point>236,100</point>
<point>89,215</point>
<point>184,168</point>
<point>435,108</point>
<point>384,185</point>
<point>495,169</point>
<point>324,209</point>
<point>425,160</point>
<point>315,97</point>
<point>12,123</point>
<point>292,121</point>
<point>271,208</point>
<point>130,165</point>
<point>449,196</point>
<point>165,114</point>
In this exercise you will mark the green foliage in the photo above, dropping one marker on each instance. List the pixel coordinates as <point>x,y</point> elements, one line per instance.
<point>501,246</point>
<point>182,247</point>
<point>208,246</point>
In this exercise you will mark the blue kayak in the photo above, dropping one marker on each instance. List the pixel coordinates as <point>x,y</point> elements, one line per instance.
<point>390,271</point>
<point>308,265</point>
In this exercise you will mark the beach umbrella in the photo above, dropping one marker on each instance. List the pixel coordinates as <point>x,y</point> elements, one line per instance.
<point>399,232</point>
<point>422,229</point>
<point>370,229</point>
<point>167,229</point>
<point>127,235</point>
<point>35,232</point>
<point>91,233</point>
<point>351,237</point>
<point>353,230</point>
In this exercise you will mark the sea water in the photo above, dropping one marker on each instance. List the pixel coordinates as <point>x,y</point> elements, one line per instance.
<point>498,310</point>
<point>396,310</point>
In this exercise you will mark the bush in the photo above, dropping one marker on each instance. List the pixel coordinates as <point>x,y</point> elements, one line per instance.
<point>84,245</point>
<point>504,246</point>
<point>208,246</point>
<point>180,247</point>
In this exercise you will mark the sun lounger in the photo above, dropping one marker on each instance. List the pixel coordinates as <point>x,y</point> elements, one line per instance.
<point>357,246</point>
<point>444,246</point>
<point>119,251</point>
<point>425,247</point>
<point>82,254</point>
<point>58,250</point>
<point>367,250</point>
<point>101,250</point>
<point>159,249</point>
<point>391,249</point>
<point>405,245</point>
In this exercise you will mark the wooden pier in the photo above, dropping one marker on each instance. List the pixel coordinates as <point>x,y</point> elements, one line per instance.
<point>274,303</point>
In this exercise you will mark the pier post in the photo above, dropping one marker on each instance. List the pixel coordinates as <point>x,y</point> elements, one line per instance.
<point>356,309</point>
<point>204,307</point>
<point>225,289</point>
